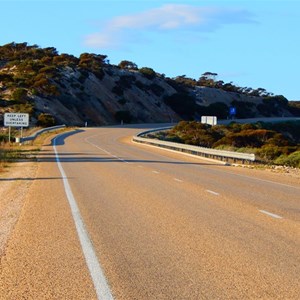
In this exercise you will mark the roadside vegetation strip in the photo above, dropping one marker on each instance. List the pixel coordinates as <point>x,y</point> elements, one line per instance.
<point>198,151</point>
<point>14,152</point>
<point>100,283</point>
<point>272,143</point>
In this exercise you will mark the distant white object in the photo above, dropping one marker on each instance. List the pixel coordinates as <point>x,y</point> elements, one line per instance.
<point>16,120</point>
<point>211,120</point>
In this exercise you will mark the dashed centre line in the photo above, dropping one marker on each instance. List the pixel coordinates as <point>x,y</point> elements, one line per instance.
<point>178,180</point>
<point>212,192</point>
<point>271,214</point>
<point>155,172</point>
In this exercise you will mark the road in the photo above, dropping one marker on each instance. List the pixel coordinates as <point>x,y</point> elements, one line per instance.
<point>107,218</point>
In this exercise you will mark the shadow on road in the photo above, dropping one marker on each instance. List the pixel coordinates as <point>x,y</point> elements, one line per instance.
<point>60,139</point>
<point>30,178</point>
<point>91,157</point>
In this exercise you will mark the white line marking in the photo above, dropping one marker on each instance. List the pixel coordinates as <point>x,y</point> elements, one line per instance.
<point>178,180</point>
<point>212,192</point>
<point>270,214</point>
<point>223,163</point>
<point>117,157</point>
<point>155,172</point>
<point>101,286</point>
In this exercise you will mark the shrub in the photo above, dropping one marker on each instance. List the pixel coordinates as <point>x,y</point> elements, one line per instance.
<point>156,89</point>
<point>147,72</point>
<point>45,120</point>
<point>292,160</point>
<point>19,95</point>
<point>182,104</point>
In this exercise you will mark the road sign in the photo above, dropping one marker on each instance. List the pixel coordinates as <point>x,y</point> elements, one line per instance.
<point>16,120</point>
<point>211,120</point>
<point>232,111</point>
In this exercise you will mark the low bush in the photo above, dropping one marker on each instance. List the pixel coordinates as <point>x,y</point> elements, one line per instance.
<point>292,160</point>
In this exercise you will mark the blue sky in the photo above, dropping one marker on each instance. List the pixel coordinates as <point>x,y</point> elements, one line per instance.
<point>251,43</point>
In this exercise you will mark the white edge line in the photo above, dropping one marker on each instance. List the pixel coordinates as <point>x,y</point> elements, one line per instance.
<point>100,283</point>
<point>270,214</point>
<point>212,192</point>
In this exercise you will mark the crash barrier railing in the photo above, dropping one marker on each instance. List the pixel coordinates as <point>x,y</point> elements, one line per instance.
<point>37,133</point>
<point>227,156</point>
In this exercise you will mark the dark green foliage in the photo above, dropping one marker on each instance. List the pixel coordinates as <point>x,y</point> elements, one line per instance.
<point>3,103</point>
<point>83,76</point>
<point>182,103</point>
<point>3,139</point>
<point>243,109</point>
<point>292,160</point>
<point>265,139</point>
<point>125,82</point>
<point>142,86</point>
<point>148,72</point>
<point>45,120</point>
<point>118,90</point>
<point>185,80</point>
<point>24,108</point>
<point>218,109</point>
<point>19,95</point>
<point>294,108</point>
<point>123,116</point>
<point>272,106</point>
<point>156,89</point>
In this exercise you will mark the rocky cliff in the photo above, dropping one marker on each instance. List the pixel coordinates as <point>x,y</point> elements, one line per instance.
<point>73,91</point>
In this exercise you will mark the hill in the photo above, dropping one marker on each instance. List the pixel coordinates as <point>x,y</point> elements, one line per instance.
<point>61,88</point>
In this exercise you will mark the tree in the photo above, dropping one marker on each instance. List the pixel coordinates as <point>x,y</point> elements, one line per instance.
<point>126,64</point>
<point>208,79</point>
<point>182,103</point>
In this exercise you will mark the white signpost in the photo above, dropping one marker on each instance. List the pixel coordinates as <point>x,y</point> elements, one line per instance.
<point>211,120</point>
<point>16,120</point>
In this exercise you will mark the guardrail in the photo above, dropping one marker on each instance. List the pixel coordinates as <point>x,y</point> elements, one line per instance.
<point>227,156</point>
<point>37,133</point>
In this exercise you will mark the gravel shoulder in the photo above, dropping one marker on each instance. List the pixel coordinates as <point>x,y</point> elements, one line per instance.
<point>15,182</point>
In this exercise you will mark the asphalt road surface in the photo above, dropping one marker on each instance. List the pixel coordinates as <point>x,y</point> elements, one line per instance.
<point>109,219</point>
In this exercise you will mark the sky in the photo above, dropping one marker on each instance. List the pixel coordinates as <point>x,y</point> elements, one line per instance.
<point>249,43</point>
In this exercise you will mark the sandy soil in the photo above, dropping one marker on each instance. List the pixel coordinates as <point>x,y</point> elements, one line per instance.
<point>14,185</point>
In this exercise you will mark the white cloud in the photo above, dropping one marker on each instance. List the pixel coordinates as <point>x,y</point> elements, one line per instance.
<point>167,18</point>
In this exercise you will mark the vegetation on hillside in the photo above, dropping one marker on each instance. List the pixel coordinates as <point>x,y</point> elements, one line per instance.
<point>276,143</point>
<point>29,73</point>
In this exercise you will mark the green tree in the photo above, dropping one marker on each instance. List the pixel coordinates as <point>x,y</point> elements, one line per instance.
<point>126,64</point>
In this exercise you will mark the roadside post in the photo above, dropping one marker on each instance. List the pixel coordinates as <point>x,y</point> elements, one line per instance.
<point>232,112</point>
<point>16,120</point>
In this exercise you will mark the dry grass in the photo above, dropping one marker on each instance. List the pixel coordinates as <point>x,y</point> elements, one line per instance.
<point>12,152</point>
